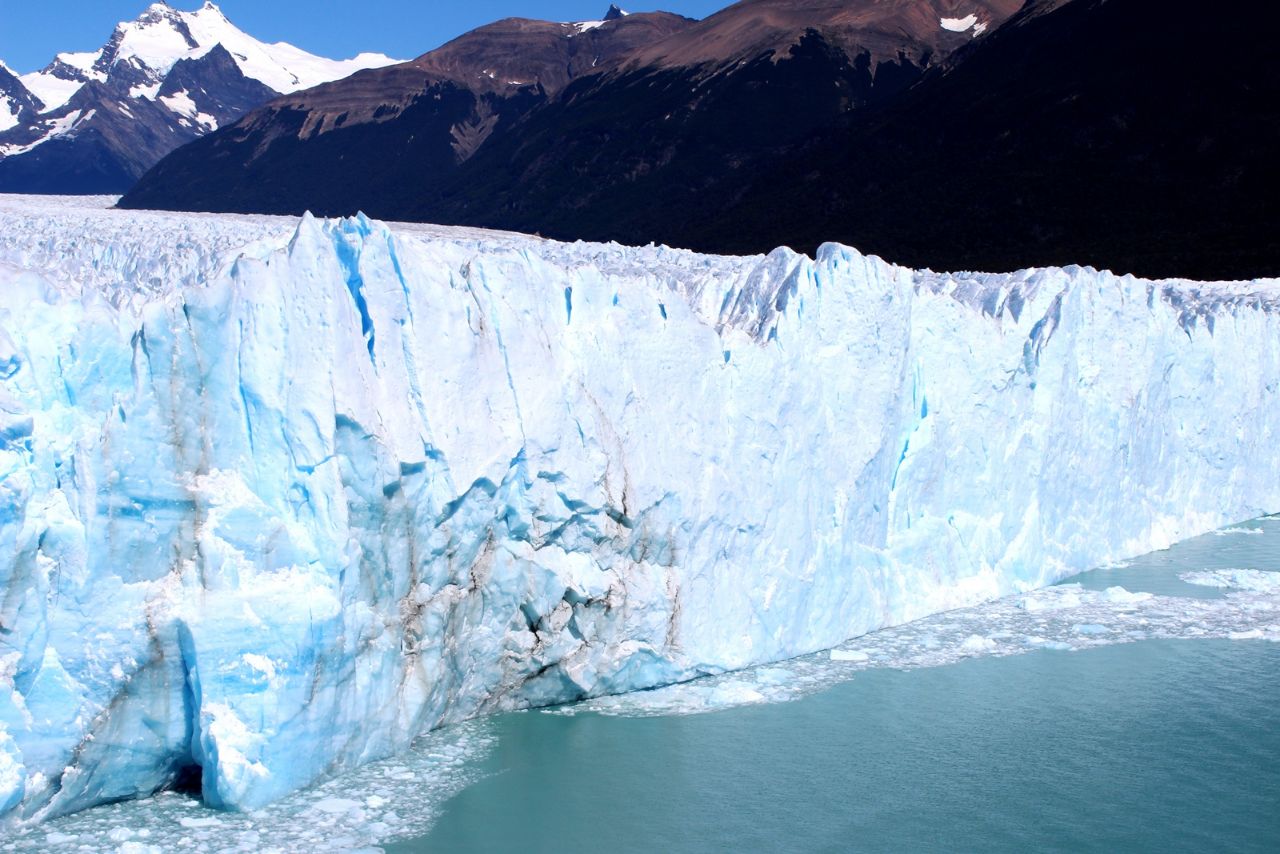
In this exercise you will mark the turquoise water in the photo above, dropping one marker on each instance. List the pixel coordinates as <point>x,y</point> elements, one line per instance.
<point>1082,717</point>
<point>1154,745</point>
<point>1253,544</point>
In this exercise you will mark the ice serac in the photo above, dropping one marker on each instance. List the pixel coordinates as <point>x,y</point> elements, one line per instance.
<point>276,496</point>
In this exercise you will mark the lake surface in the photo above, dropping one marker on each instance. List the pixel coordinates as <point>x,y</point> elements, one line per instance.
<point>1153,745</point>
<point>1156,746</point>
<point>1084,717</point>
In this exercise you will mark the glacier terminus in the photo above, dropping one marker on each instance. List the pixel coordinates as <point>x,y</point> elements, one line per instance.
<point>278,495</point>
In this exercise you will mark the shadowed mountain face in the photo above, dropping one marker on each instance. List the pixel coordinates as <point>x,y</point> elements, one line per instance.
<point>1137,135</point>
<point>1131,134</point>
<point>522,115</point>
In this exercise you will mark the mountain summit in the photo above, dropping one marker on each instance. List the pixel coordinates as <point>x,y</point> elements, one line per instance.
<point>94,122</point>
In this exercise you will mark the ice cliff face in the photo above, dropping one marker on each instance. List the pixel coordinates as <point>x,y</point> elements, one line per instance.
<point>277,496</point>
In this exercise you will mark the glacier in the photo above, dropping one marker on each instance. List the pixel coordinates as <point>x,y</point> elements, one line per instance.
<point>277,495</point>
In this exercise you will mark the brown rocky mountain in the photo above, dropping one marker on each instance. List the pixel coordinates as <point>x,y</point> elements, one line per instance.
<point>1135,135</point>
<point>378,139</point>
<point>515,60</point>
<point>883,29</point>
<point>653,98</point>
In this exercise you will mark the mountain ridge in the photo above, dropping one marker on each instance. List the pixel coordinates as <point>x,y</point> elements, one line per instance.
<point>292,155</point>
<point>398,128</point>
<point>93,122</point>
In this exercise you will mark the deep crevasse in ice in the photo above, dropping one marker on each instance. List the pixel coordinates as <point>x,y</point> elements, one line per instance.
<point>277,496</point>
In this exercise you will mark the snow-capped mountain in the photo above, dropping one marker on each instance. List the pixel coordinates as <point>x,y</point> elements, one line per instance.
<point>163,36</point>
<point>94,121</point>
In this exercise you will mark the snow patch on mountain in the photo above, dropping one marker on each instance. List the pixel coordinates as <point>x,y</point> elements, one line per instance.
<point>15,99</point>
<point>960,25</point>
<point>181,104</point>
<point>580,27</point>
<point>9,112</point>
<point>280,65</point>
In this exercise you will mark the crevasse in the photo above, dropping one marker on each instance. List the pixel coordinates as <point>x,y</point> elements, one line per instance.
<point>277,496</point>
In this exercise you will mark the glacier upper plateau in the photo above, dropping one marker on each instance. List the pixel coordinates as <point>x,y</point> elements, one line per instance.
<point>279,495</point>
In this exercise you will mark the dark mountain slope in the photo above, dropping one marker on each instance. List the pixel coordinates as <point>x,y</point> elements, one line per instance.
<point>880,28</point>
<point>628,157</point>
<point>1139,135</point>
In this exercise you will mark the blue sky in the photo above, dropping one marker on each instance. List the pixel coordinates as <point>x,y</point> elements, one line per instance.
<point>32,31</point>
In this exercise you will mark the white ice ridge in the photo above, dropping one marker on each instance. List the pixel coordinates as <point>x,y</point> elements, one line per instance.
<point>277,496</point>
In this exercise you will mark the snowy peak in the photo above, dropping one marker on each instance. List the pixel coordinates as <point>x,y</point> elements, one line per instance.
<point>160,81</point>
<point>615,13</point>
<point>162,36</point>
<point>157,39</point>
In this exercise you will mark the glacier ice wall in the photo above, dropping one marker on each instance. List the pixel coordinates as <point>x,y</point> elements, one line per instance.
<point>277,496</point>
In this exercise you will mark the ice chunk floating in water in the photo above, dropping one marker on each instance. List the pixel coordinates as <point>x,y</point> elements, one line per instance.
<point>1061,618</point>
<point>277,496</point>
<point>1236,579</point>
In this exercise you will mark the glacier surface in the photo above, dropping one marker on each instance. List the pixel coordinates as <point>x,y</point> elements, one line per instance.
<point>276,496</point>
